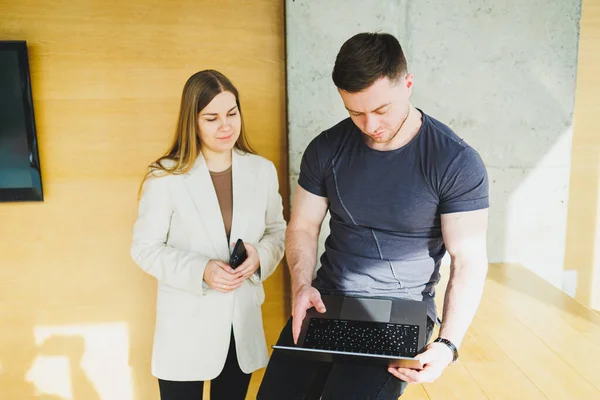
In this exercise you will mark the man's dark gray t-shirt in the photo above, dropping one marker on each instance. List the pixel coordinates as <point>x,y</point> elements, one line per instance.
<point>385,206</point>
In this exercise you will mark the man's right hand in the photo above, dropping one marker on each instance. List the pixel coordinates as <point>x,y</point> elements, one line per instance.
<point>305,297</point>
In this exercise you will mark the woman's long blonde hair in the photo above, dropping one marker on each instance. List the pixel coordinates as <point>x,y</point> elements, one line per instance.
<point>199,90</point>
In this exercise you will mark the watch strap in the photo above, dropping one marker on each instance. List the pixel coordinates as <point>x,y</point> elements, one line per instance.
<point>450,345</point>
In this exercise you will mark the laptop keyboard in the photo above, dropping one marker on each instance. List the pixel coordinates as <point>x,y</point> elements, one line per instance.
<point>362,337</point>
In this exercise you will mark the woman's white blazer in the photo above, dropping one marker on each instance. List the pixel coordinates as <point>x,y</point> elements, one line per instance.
<point>178,230</point>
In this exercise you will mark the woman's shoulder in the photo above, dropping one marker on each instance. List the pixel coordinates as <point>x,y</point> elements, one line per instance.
<point>164,162</point>
<point>256,161</point>
<point>163,170</point>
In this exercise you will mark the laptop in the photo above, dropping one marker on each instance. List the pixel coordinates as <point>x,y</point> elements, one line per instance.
<point>364,330</point>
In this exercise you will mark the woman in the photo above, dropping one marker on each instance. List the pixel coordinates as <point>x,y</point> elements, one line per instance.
<point>205,193</point>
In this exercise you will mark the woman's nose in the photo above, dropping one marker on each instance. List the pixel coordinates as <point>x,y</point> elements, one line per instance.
<point>224,126</point>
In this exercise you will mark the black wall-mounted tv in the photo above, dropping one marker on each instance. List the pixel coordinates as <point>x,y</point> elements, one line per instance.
<point>20,174</point>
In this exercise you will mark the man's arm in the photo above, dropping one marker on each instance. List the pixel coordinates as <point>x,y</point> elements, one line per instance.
<point>302,235</point>
<point>301,239</point>
<point>465,239</point>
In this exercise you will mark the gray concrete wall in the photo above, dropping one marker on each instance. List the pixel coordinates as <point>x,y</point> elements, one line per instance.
<point>500,73</point>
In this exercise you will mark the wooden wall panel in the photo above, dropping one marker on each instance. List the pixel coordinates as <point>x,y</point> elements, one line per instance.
<point>583,227</point>
<point>76,313</point>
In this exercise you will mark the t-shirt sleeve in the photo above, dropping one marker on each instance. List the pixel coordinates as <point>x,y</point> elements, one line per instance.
<point>464,186</point>
<point>314,166</point>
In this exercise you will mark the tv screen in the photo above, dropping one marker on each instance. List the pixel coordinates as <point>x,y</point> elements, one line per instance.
<point>20,176</point>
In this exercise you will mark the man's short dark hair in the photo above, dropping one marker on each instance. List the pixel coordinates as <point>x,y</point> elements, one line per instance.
<point>365,58</point>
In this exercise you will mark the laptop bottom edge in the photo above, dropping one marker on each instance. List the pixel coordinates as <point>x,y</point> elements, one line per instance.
<point>346,357</point>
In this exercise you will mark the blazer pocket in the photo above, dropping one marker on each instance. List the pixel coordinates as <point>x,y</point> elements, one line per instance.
<point>259,295</point>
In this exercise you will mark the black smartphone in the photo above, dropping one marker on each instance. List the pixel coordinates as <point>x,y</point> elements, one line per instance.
<point>239,255</point>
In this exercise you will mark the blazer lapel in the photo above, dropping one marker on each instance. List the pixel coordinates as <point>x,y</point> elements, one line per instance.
<point>244,185</point>
<point>200,187</point>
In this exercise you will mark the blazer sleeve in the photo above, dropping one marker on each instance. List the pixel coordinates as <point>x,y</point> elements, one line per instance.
<point>179,268</point>
<point>271,246</point>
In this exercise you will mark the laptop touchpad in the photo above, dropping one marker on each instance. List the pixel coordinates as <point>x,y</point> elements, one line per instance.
<point>366,309</point>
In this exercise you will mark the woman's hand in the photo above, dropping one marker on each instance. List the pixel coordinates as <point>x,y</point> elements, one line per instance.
<point>250,265</point>
<point>220,276</point>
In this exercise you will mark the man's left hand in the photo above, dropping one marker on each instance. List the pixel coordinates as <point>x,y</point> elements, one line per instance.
<point>435,359</point>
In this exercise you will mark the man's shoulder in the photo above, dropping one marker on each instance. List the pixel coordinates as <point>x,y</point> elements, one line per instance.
<point>442,135</point>
<point>443,153</point>
<point>335,135</point>
<point>344,126</point>
<point>443,144</point>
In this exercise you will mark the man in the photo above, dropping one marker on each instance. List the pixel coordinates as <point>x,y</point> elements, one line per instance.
<point>402,189</point>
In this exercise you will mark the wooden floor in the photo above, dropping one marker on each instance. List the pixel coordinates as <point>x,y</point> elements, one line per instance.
<point>528,341</point>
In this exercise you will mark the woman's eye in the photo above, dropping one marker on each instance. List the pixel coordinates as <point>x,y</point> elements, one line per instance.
<point>211,120</point>
<point>233,114</point>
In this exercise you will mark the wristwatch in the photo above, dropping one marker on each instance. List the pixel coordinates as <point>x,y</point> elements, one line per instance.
<point>450,345</point>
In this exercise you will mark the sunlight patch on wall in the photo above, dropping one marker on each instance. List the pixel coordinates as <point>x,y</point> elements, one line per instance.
<point>531,238</point>
<point>83,362</point>
<point>51,376</point>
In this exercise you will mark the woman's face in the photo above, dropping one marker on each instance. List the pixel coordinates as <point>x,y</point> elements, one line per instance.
<point>220,123</point>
